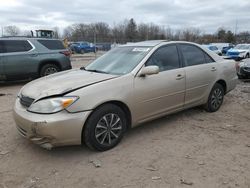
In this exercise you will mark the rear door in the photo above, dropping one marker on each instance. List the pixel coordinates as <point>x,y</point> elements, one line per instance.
<point>20,59</point>
<point>201,73</point>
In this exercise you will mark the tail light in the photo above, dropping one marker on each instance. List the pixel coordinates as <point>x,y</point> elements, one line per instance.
<point>66,53</point>
<point>237,66</point>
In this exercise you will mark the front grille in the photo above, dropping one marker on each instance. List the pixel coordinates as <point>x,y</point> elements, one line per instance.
<point>26,101</point>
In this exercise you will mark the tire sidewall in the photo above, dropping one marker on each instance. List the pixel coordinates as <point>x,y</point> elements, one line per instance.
<point>210,107</point>
<point>44,67</point>
<point>89,130</point>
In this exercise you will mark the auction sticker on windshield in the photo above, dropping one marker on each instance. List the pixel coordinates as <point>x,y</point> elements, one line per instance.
<point>141,49</point>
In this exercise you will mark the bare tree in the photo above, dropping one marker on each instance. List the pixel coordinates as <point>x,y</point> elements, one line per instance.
<point>56,32</point>
<point>12,30</point>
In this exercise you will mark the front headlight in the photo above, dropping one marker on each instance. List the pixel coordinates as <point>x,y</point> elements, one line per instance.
<point>52,105</point>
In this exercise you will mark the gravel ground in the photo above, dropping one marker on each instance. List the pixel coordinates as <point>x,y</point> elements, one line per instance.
<point>192,148</point>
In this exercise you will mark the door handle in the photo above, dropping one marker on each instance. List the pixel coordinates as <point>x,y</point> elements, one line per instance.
<point>33,55</point>
<point>213,69</point>
<point>179,77</point>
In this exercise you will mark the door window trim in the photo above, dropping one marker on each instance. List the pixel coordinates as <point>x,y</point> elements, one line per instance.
<point>166,45</point>
<point>5,50</point>
<point>204,52</point>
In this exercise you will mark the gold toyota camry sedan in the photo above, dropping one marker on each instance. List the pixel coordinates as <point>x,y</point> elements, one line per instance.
<point>127,86</point>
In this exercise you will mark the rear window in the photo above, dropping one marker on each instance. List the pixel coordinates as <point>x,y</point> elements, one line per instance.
<point>16,46</point>
<point>52,44</point>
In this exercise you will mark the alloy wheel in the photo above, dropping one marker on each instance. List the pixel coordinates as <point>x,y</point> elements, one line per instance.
<point>216,99</point>
<point>108,129</point>
<point>50,70</point>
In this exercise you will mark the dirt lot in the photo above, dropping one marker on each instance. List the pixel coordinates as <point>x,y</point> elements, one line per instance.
<point>189,149</point>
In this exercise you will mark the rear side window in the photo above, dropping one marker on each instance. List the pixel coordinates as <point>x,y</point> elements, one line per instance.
<point>52,44</point>
<point>208,59</point>
<point>16,46</point>
<point>192,55</point>
<point>166,58</point>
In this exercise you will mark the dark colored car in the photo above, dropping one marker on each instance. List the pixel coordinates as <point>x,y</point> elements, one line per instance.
<point>243,69</point>
<point>82,47</point>
<point>226,48</point>
<point>24,58</point>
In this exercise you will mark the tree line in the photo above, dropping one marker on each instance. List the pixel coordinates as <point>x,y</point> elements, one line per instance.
<point>130,31</point>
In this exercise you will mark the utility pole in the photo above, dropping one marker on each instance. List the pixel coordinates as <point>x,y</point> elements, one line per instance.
<point>95,40</point>
<point>235,30</point>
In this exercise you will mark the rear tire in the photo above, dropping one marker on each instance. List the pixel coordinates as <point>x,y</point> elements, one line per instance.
<point>82,51</point>
<point>215,98</point>
<point>49,69</point>
<point>105,127</point>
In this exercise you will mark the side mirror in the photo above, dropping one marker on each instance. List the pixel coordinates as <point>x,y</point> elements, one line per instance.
<point>149,70</point>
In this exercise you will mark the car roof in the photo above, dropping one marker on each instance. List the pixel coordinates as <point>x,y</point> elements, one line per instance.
<point>149,43</point>
<point>25,38</point>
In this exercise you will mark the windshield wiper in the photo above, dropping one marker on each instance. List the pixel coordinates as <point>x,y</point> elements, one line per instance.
<point>98,71</point>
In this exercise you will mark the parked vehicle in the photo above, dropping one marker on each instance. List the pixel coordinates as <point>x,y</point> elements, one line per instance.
<point>226,48</point>
<point>223,47</point>
<point>127,86</point>
<point>214,49</point>
<point>241,51</point>
<point>243,69</point>
<point>23,58</point>
<point>82,47</point>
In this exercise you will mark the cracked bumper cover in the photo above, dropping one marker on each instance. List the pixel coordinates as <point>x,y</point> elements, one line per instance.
<point>50,130</point>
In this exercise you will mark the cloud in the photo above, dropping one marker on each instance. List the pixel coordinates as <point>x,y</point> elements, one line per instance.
<point>177,14</point>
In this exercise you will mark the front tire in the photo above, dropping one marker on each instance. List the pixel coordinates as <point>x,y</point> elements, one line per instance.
<point>105,127</point>
<point>215,98</point>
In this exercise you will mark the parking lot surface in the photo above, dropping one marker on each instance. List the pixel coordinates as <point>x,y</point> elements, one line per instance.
<point>192,148</point>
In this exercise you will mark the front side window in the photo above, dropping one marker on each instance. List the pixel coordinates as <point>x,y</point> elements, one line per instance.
<point>17,46</point>
<point>166,58</point>
<point>119,61</point>
<point>192,55</point>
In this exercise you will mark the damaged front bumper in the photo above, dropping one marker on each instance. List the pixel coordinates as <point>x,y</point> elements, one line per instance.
<point>50,130</point>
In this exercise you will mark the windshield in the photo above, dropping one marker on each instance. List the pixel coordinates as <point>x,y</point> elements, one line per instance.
<point>242,46</point>
<point>213,48</point>
<point>119,61</point>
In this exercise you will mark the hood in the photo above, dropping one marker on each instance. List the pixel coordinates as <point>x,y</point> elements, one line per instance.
<point>63,82</point>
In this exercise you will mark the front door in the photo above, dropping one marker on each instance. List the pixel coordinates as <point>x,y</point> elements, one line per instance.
<point>164,92</point>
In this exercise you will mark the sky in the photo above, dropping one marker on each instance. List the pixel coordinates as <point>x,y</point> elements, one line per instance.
<point>176,14</point>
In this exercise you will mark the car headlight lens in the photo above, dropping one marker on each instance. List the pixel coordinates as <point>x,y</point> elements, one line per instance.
<point>52,105</point>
